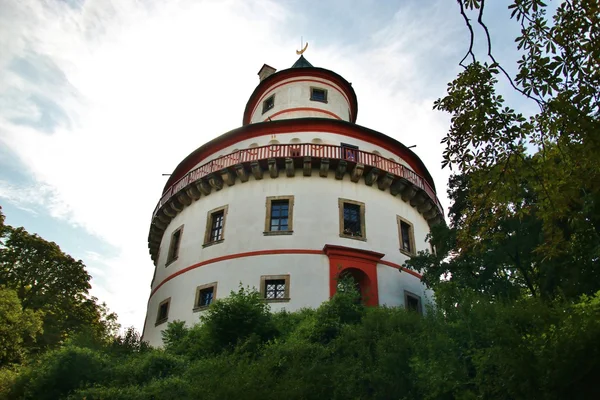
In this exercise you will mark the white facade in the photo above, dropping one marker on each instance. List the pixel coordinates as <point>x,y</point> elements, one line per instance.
<point>309,254</point>
<point>291,101</point>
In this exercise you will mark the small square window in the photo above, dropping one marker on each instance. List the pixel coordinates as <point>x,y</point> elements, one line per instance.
<point>279,216</point>
<point>174,245</point>
<point>215,226</point>
<point>205,295</point>
<point>268,104</point>
<point>412,302</point>
<point>318,94</point>
<point>163,311</point>
<point>407,237</point>
<point>275,288</point>
<point>352,219</point>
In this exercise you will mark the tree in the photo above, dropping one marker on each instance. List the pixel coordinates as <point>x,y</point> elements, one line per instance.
<point>531,183</point>
<point>16,326</point>
<point>52,282</point>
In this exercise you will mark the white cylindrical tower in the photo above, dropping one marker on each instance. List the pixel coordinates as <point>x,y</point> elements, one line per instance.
<point>296,196</point>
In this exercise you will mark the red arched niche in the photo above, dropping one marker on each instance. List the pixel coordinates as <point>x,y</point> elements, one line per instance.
<point>361,264</point>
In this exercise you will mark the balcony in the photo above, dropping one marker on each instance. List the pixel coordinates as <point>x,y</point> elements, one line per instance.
<point>288,158</point>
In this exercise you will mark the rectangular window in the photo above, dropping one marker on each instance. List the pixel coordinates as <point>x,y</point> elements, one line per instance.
<point>163,311</point>
<point>412,302</point>
<point>318,94</point>
<point>268,104</point>
<point>205,295</point>
<point>279,216</point>
<point>407,236</point>
<point>215,226</point>
<point>174,245</point>
<point>275,288</point>
<point>352,219</point>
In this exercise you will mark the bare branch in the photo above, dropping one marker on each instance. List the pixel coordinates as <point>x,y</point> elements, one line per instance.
<point>472,40</point>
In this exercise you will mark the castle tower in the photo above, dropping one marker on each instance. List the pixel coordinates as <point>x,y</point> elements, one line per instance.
<point>296,196</point>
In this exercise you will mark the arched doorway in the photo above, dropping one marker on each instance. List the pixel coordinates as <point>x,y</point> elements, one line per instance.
<point>359,264</point>
<point>357,278</point>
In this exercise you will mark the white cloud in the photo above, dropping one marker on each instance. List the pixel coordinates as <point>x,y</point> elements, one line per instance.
<point>144,83</point>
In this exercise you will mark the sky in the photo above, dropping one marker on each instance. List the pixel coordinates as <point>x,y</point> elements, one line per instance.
<point>99,98</point>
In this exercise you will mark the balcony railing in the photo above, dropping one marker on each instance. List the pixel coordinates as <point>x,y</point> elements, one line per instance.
<point>299,151</point>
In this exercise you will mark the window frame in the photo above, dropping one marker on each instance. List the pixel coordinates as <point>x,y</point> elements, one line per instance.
<point>199,289</point>
<point>268,205</point>
<point>209,222</point>
<point>349,152</point>
<point>411,238</point>
<point>159,320</point>
<point>312,98</point>
<point>171,257</point>
<point>266,108</point>
<point>363,227</point>
<point>408,294</point>
<point>263,287</point>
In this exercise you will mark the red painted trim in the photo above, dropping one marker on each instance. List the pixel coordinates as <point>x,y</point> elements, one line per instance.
<point>287,110</point>
<point>272,89</point>
<point>331,248</point>
<point>400,267</point>
<point>268,83</point>
<point>296,125</point>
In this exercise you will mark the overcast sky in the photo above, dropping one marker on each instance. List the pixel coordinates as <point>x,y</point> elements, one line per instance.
<point>99,98</point>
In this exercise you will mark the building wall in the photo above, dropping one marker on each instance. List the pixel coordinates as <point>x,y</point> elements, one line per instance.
<point>309,286</point>
<point>315,223</point>
<point>294,93</point>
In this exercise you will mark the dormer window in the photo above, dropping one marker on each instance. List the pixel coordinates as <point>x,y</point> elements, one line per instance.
<point>318,94</point>
<point>268,104</point>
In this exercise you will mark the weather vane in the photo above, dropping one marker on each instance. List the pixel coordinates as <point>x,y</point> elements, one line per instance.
<point>299,52</point>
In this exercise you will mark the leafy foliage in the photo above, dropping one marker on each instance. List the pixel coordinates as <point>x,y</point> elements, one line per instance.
<point>16,326</point>
<point>50,284</point>
<point>493,350</point>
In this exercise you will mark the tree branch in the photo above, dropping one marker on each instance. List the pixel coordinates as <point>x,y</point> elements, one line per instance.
<point>468,23</point>
<point>489,42</point>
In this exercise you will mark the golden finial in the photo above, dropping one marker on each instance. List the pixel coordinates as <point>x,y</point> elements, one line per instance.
<point>299,52</point>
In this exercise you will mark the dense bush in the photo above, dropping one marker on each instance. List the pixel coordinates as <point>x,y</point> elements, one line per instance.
<point>482,349</point>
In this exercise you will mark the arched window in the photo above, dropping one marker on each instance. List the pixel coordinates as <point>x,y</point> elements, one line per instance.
<point>295,140</point>
<point>317,141</point>
<point>253,145</point>
<point>274,141</point>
